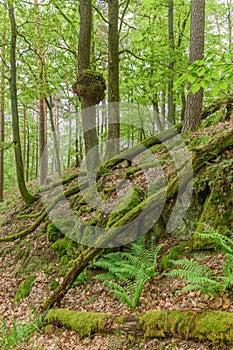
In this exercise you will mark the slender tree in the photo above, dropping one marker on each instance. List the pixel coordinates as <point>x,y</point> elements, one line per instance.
<point>197,30</point>
<point>171,108</point>
<point>14,109</point>
<point>2,103</point>
<point>41,102</point>
<point>113,80</point>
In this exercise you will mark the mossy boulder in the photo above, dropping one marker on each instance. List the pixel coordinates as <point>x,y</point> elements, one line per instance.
<point>24,288</point>
<point>217,211</point>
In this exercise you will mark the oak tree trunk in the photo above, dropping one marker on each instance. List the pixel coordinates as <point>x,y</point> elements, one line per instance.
<point>197,29</point>
<point>113,80</point>
<point>88,109</point>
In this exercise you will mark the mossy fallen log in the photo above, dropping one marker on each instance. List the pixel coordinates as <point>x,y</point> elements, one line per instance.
<point>218,105</point>
<point>129,154</point>
<point>214,326</point>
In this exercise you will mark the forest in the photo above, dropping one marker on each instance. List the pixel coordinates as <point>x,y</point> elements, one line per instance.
<point>116,174</point>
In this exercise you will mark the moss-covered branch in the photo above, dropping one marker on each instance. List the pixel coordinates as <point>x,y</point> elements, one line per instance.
<point>214,326</point>
<point>44,213</point>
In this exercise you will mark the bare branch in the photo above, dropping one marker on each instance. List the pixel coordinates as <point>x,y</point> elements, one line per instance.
<point>133,54</point>
<point>101,15</point>
<point>123,15</point>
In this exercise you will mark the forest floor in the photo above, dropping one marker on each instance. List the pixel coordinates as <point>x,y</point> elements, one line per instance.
<point>158,294</point>
<point>33,255</point>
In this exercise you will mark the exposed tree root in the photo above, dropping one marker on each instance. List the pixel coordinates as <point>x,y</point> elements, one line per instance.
<point>44,213</point>
<point>214,326</point>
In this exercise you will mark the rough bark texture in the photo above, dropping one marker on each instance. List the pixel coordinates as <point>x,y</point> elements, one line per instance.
<point>88,110</point>
<point>113,80</point>
<point>2,106</point>
<point>197,28</point>
<point>215,326</point>
<point>171,107</point>
<point>14,111</point>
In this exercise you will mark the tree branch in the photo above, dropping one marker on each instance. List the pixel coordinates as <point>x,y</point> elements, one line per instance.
<point>101,15</point>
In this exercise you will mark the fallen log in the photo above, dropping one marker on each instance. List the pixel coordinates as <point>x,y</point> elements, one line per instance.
<point>214,326</point>
<point>225,103</point>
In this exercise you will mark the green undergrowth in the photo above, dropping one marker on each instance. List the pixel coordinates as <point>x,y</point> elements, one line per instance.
<point>18,334</point>
<point>129,271</point>
<point>24,288</point>
<point>199,276</point>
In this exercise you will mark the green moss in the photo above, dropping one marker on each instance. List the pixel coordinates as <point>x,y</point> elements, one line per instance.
<point>84,323</point>
<point>82,278</point>
<point>50,268</point>
<point>56,229</point>
<point>64,260</point>
<point>24,288</point>
<point>215,326</point>
<point>93,221</point>
<point>53,233</point>
<point>173,254</point>
<point>125,204</point>
<point>65,246</point>
<point>53,285</point>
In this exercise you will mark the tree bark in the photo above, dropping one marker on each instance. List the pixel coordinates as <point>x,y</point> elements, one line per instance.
<point>14,110</point>
<point>88,110</point>
<point>113,80</point>
<point>197,37</point>
<point>171,107</point>
<point>41,103</point>
<point>2,105</point>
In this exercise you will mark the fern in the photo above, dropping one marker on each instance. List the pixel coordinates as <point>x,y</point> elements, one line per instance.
<point>201,277</point>
<point>129,271</point>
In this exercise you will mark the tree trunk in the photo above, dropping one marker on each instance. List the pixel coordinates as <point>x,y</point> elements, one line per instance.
<point>14,110</point>
<point>55,138</point>
<point>156,121</point>
<point>2,107</point>
<point>41,104</point>
<point>88,110</point>
<point>197,32</point>
<point>171,108</point>
<point>113,80</point>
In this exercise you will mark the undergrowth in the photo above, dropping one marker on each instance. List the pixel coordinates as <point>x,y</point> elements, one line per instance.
<point>12,337</point>
<point>201,277</point>
<point>129,271</point>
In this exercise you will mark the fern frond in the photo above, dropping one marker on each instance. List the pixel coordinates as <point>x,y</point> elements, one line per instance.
<point>221,241</point>
<point>132,269</point>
